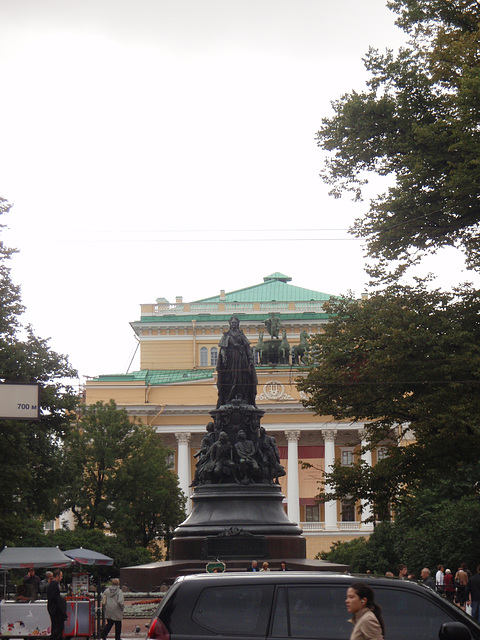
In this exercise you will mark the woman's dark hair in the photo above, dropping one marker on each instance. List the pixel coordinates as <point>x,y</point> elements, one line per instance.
<point>364,591</point>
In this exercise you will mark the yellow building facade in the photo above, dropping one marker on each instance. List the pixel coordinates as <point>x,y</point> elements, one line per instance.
<point>175,389</point>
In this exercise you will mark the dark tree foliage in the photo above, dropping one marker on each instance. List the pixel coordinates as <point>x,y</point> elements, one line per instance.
<point>436,525</point>
<point>407,363</point>
<point>118,478</point>
<point>30,451</point>
<point>418,122</point>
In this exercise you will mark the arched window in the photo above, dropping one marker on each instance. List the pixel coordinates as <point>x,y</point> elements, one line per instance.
<point>204,357</point>
<point>213,356</point>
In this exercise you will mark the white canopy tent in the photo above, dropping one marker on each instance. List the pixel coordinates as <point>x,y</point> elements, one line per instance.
<point>37,557</point>
<point>26,557</point>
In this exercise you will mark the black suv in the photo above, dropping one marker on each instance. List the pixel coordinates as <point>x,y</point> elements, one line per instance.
<point>294,605</point>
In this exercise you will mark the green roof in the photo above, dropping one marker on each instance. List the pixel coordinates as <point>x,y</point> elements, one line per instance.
<point>157,377</point>
<point>274,288</point>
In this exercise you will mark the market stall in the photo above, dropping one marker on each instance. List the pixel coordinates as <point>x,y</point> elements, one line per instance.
<point>83,556</point>
<point>29,619</point>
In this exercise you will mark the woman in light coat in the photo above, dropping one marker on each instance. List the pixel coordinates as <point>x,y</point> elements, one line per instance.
<point>366,614</point>
<point>114,603</point>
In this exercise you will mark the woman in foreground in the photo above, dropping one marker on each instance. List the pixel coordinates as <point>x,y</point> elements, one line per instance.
<point>366,615</point>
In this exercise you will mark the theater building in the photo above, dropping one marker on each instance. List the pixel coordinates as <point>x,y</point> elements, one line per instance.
<point>175,389</point>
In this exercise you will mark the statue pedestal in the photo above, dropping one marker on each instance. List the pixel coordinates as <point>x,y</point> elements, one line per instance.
<point>240,522</point>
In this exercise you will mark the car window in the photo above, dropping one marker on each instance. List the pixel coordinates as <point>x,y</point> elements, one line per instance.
<point>311,612</point>
<point>411,615</point>
<point>319,612</point>
<point>234,610</point>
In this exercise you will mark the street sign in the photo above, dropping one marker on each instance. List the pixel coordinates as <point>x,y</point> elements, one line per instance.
<point>19,401</point>
<point>216,567</point>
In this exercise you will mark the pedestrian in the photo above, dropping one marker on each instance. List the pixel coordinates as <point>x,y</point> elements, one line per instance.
<point>473,594</point>
<point>461,581</point>
<point>265,567</point>
<point>114,602</point>
<point>34,581</point>
<point>253,566</point>
<point>283,566</point>
<point>402,571</point>
<point>449,585</point>
<point>44,583</point>
<point>56,606</point>
<point>439,579</point>
<point>366,614</point>
<point>427,579</point>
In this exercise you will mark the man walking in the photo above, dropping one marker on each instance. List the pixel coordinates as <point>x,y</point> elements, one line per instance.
<point>56,606</point>
<point>473,594</point>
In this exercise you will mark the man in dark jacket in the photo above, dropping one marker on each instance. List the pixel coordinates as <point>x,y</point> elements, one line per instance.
<point>56,606</point>
<point>253,566</point>
<point>473,594</point>
<point>427,578</point>
<point>33,581</point>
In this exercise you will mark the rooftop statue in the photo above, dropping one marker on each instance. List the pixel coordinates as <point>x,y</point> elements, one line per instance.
<point>237,377</point>
<point>273,325</point>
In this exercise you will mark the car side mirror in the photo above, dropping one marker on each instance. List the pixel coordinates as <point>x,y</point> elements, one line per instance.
<point>454,631</point>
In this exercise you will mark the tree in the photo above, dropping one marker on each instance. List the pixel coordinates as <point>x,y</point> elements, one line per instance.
<point>376,553</point>
<point>119,477</point>
<point>407,363</point>
<point>435,526</point>
<point>30,451</point>
<point>406,360</point>
<point>418,123</point>
<point>149,502</point>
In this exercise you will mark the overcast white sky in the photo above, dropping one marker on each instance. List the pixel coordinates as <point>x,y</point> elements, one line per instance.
<point>137,135</point>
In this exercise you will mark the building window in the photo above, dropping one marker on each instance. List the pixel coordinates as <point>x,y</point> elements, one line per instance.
<point>170,461</point>
<point>382,453</point>
<point>213,356</point>
<point>348,511</point>
<point>312,513</point>
<point>49,525</point>
<point>204,357</point>
<point>347,457</point>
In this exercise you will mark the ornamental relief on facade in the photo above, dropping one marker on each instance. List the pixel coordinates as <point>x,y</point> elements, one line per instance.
<point>274,390</point>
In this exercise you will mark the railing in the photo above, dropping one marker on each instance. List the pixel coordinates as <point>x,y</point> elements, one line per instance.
<point>209,307</point>
<point>312,526</point>
<point>320,526</point>
<point>349,526</point>
<point>274,306</point>
<point>245,307</point>
<point>238,306</point>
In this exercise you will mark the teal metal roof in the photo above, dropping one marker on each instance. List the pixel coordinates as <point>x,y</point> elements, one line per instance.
<point>274,288</point>
<point>153,378</point>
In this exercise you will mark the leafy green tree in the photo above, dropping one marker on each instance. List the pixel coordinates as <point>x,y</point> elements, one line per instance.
<point>435,526</point>
<point>30,451</point>
<point>416,122</point>
<point>149,503</point>
<point>407,363</point>
<point>119,477</point>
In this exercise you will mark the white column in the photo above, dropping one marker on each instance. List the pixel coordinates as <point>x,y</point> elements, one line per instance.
<point>293,494</point>
<point>330,506</point>
<point>366,506</point>
<point>183,470</point>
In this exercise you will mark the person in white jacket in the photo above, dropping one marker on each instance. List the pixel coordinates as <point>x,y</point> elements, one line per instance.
<point>114,602</point>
